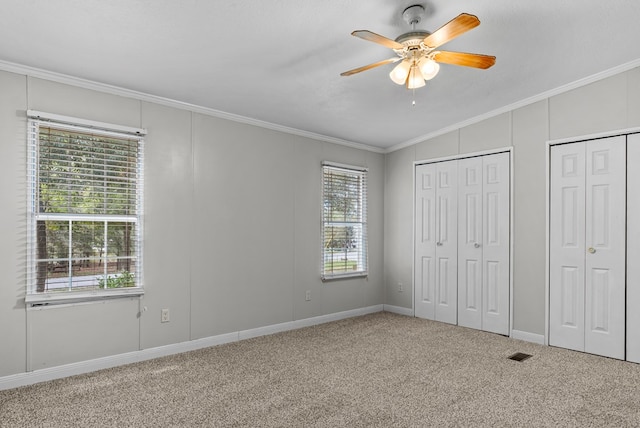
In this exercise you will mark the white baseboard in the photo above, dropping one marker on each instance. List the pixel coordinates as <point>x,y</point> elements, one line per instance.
<point>307,322</point>
<point>398,310</point>
<point>528,337</point>
<point>43,375</point>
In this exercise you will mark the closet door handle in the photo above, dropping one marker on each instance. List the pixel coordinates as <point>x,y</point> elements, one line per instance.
<point>439,244</point>
<point>592,250</point>
<point>476,245</point>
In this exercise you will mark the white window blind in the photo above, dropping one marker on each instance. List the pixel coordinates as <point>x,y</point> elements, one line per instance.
<point>85,209</point>
<point>344,221</point>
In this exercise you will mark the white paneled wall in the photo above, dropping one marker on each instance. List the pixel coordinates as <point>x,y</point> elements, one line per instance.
<point>169,179</point>
<point>232,232</point>
<point>13,232</point>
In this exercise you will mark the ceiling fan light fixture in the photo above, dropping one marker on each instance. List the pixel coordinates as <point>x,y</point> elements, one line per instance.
<point>400,72</point>
<point>415,79</point>
<point>429,68</point>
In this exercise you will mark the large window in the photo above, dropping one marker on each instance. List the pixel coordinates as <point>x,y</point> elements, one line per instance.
<point>85,207</point>
<point>344,221</point>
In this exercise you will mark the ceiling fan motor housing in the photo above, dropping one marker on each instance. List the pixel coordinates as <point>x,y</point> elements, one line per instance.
<point>412,38</point>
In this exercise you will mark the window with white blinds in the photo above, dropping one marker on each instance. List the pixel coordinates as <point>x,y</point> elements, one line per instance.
<point>344,221</point>
<point>85,210</point>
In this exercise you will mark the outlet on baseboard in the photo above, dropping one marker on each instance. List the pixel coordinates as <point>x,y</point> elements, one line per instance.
<point>164,315</point>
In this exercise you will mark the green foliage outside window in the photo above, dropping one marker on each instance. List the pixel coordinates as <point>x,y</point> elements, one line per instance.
<point>125,279</point>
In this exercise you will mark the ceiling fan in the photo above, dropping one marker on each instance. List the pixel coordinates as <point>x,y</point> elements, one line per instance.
<point>418,49</point>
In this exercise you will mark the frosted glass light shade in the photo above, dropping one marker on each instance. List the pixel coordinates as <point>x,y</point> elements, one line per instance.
<point>429,68</point>
<point>415,78</point>
<point>400,72</point>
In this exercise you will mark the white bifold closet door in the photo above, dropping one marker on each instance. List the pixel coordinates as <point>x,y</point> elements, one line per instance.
<point>436,251</point>
<point>587,246</point>
<point>483,243</point>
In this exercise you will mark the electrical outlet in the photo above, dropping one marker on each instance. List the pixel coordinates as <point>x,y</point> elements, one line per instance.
<point>400,287</point>
<point>164,315</point>
<point>307,297</point>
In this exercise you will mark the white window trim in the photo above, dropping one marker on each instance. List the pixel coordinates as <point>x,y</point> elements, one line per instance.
<point>77,297</point>
<point>363,273</point>
<point>77,123</point>
<point>33,298</point>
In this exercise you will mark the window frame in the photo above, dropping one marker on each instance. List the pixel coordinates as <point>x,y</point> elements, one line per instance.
<point>362,256</point>
<point>101,129</point>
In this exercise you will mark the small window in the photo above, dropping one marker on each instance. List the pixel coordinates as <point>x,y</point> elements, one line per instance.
<point>85,210</point>
<point>344,221</point>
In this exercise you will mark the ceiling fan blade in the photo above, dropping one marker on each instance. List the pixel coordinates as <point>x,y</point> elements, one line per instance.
<point>452,29</point>
<point>377,38</point>
<point>370,66</point>
<point>465,59</point>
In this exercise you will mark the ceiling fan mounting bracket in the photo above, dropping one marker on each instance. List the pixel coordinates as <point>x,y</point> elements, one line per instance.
<point>413,14</point>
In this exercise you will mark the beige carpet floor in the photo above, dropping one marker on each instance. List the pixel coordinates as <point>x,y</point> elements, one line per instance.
<point>379,370</point>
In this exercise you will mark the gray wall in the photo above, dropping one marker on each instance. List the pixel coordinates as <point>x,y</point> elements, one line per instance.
<point>232,219</point>
<point>607,105</point>
<point>231,231</point>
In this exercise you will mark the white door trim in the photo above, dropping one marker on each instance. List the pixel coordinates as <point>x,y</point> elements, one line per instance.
<point>633,252</point>
<point>464,156</point>
<point>595,136</point>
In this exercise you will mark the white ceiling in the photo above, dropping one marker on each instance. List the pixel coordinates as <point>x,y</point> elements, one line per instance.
<point>279,61</point>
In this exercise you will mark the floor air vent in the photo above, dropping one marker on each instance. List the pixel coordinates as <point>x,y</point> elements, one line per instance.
<point>519,356</point>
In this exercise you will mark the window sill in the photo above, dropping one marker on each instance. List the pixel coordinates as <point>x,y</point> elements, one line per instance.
<point>59,298</point>
<point>335,277</point>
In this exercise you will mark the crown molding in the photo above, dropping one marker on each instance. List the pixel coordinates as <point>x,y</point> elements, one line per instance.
<point>116,90</point>
<point>518,104</point>
<point>142,96</point>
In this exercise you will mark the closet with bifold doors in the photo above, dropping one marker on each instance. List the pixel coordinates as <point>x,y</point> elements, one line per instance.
<point>594,223</point>
<point>462,241</point>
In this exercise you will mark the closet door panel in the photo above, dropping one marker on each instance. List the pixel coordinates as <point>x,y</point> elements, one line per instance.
<point>606,247</point>
<point>633,248</point>
<point>425,241</point>
<point>447,242</point>
<point>469,242</point>
<point>567,246</point>
<point>495,243</point>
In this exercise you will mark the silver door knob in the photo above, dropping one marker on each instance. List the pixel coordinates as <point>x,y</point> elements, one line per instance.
<point>439,244</point>
<point>476,245</point>
<point>592,250</point>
